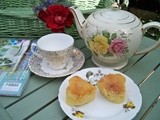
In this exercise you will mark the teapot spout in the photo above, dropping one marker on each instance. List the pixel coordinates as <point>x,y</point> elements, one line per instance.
<point>79,19</point>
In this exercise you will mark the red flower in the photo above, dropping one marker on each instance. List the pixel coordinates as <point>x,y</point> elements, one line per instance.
<point>42,15</point>
<point>56,17</point>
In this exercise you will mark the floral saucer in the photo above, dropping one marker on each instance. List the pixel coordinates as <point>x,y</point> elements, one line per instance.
<point>38,66</point>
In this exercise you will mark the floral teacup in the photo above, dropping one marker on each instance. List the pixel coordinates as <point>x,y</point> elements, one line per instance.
<point>55,49</point>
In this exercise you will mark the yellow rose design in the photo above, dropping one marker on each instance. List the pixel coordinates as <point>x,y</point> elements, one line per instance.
<point>99,44</point>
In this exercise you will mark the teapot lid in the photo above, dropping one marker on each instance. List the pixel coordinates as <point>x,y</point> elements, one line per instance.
<point>116,16</point>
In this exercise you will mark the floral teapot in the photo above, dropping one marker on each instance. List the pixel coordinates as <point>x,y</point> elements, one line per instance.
<point>113,35</point>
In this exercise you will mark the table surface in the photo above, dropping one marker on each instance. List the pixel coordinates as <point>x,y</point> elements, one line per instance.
<point>40,99</point>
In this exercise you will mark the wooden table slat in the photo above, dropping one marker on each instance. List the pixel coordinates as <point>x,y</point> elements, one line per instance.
<point>154,113</point>
<point>35,101</point>
<point>146,65</point>
<point>34,83</point>
<point>152,87</point>
<point>53,111</point>
<point>3,114</point>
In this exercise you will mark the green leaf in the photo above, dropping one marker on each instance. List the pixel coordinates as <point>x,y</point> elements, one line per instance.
<point>114,35</point>
<point>95,54</point>
<point>88,74</point>
<point>68,30</point>
<point>108,54</point>
<point>109,41</point>
<point>106,33</point>
<point>88,44</point>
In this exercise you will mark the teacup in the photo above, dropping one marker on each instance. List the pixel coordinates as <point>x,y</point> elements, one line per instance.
<point>54,48</point>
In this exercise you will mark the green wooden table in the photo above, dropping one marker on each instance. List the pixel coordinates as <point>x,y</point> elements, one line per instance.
<point>40,99</point>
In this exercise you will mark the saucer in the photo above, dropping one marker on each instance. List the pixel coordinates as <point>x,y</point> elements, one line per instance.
<point>41,68</point>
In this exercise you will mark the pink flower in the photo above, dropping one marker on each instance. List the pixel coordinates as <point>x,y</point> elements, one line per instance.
<point>118,46</point>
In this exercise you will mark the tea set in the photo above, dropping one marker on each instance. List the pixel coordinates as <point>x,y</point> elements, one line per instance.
<point>111,34</point>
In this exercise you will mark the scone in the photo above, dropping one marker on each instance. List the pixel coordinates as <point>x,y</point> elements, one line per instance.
<point>79,92</point>
<point>112,87</point>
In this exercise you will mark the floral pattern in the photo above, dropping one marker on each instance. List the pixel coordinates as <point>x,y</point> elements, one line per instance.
<point>38,66</point>
<point>78,113</point>
<point>108,44</point>
<point>129,105</point>
<point>118,46</point>
<point>99,44</point>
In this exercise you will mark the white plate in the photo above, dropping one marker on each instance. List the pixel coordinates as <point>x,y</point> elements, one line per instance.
<point>100,108</point>
<point>38,66</point>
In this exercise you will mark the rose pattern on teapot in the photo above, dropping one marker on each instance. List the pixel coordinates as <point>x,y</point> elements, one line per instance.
<point>109,44</point>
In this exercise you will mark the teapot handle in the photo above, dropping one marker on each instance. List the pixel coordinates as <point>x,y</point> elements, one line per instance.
<point>145,27</point>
